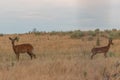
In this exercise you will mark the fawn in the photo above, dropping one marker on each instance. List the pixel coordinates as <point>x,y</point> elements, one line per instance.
<point>103,49</point>
<point>22,48</point>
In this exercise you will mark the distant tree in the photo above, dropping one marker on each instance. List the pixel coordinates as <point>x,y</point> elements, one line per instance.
<point>34,30</point>
<point>107,31</point>
<point>114,29</point>
<point>97,30</point>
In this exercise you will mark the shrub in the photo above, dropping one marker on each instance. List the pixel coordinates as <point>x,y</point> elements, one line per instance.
<point>97,30</point>
<point>53,33</point>
<point>114,29</point>
<point>77,34</point>
<point>40,33</point>
<point>114,35</point>
<point>61,33</point>
<point>111,54</point>
<point>37,33</point>
<point>92,33</point>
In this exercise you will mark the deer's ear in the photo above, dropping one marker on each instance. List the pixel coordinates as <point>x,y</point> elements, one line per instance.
<point>10,38</point>
<point>110,39</point>
<point>17,39</point>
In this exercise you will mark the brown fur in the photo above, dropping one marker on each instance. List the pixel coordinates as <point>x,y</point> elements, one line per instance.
<point>22,48</point>
<point>101,49</point>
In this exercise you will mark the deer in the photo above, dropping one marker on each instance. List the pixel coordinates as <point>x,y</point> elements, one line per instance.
<point>103,49</point>
<point>22,48</point>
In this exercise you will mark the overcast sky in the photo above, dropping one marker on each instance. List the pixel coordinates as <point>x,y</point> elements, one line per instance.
<point>19,16</point>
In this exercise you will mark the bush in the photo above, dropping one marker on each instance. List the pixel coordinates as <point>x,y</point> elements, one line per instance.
<point>40,33</point>
<point>77,34</point>
<point>97,30</point>
<point>53,33</point>
<point>37,33</point>
<point>114,35</point>
<point>92,33</point>
<point>111,54</point>
<point>107,31</point>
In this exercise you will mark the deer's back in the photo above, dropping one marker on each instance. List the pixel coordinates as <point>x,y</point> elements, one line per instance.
<point>23,48</point>
<point>100,49</point>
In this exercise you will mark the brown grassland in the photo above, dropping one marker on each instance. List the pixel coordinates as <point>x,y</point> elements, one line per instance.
<point>58,58</point>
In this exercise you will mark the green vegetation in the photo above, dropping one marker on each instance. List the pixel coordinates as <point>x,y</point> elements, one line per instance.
<point>111,54</point>
<point>77,34</point>
<point>61,57</point>
<point>97,30</point>
<point>114,34</point>
<point>92,33</point>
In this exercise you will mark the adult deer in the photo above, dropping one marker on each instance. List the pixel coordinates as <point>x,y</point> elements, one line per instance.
<point>22,48</point>
<point>101,49</point>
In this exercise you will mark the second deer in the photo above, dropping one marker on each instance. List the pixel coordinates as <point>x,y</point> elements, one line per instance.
<point>103,49</point>
<point>22,48</point>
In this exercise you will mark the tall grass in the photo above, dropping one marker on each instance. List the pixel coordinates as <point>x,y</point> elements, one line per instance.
<point>58,58</point>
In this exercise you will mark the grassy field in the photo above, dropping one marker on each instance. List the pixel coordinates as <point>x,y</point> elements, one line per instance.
<point>59,58</point>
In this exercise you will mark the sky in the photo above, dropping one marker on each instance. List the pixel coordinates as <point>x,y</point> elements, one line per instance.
<point>21,16</point>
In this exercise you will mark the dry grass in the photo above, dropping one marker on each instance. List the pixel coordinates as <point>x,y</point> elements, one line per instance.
<point>58,58</point>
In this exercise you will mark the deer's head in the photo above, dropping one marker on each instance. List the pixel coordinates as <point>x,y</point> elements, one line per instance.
<point>110,41</point>
<point>13,39</point>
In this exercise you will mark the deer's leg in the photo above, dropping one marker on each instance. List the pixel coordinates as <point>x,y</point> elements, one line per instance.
<point>30,55</point>
<point>33,55</point>
<point>93,55</point>
<point>17,56</point>
<point>105,54</point>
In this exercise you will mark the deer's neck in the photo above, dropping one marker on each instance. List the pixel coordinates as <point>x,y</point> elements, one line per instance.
<point>109,45</point>
<point>13,46</point>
